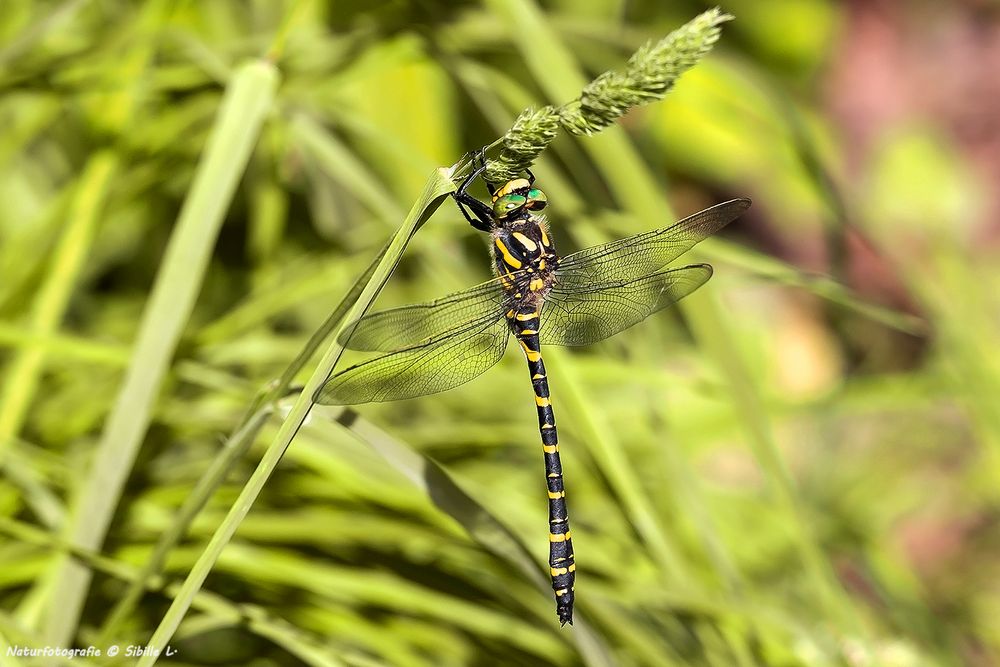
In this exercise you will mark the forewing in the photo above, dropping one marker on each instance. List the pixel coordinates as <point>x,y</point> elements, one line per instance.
<point>639,255</point>
<point>406,326</point>
<point>585,316</point>
<point>437,364</point>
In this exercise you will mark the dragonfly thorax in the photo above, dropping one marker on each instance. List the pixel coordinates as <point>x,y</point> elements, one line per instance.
<point>523,256</point>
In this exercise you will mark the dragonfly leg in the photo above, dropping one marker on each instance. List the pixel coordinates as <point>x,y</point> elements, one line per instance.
<point>481,158</point>
<point>481,222</point>
<point>531,177</point>
<point>481,216</point>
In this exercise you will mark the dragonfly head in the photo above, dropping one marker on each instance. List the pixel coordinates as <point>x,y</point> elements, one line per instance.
<point>515,197</point>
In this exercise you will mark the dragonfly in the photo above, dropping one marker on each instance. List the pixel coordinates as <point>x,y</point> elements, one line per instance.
<point>540,299</point>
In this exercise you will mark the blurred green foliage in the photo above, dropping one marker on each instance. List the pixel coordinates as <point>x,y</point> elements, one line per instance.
<point>798,467</point>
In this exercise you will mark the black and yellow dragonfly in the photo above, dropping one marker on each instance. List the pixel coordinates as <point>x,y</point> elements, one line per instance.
<point>541,299</point>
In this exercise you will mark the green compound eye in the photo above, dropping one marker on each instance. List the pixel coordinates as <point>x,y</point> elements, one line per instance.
<point>536,199</point>
<point>507,204</point>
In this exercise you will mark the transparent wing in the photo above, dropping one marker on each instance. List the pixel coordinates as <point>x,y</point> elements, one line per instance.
<point>436,364</point>
<point>407,326</point>
<point>639,255</point>
<point>585,316</point>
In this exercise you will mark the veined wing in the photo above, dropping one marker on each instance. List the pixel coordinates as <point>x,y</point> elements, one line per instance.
<point>407,326</point>
<point>439,363</point>
<point>641,254</point>
<point>584,316</point>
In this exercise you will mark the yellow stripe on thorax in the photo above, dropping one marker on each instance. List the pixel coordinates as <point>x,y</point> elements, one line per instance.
<point>544,236</point>
<point>508,258</point>
<point>529,245</point>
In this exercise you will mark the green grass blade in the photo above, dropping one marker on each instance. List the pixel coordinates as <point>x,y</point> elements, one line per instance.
<point>245,105</point>
<point>233,451</point>
<point>279,387</point>
<point>21,377</point>
<point>221,610</point>
<point>339,163</point>
<point>64,347</point>
<point>438,187</point>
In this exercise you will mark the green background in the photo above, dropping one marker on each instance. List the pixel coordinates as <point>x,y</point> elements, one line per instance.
<point>798,466</point>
